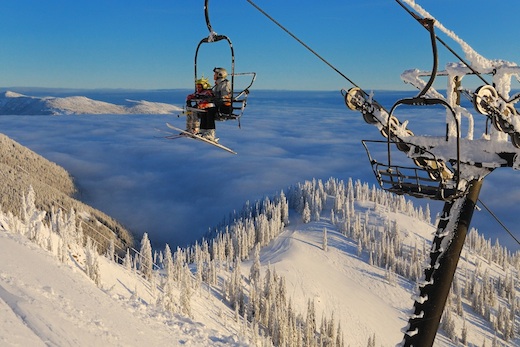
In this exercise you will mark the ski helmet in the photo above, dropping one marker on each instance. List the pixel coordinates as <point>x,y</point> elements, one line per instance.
<point>204,82</point>
<point>221,72</point>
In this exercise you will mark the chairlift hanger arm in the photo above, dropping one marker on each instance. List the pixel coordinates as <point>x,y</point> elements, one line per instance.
<point>462,60</point>
<point>206,15</point>
<point>429,24</point>
<point>420,19</point>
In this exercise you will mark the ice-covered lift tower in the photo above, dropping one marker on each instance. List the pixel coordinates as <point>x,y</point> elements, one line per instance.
<point>449,167</point>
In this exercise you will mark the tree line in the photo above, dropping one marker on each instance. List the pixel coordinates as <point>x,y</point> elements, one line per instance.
<point>261,303</point>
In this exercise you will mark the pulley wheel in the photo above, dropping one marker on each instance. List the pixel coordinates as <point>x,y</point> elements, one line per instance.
<point>483,97</point>
<point>502,123</point>
<point>369,118</point>
<point>497,123</point>
<point>354,98</point>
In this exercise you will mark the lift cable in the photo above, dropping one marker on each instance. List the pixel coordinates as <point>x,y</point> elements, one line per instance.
<point>499,222</point>
<point>302,43</point>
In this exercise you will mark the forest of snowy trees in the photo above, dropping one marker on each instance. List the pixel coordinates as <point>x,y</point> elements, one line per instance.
<point>261,302</point>
<point>53,187</point>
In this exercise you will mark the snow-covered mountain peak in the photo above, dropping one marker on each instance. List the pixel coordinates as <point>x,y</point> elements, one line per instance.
<point>10,94</point>
<point>12,103</point>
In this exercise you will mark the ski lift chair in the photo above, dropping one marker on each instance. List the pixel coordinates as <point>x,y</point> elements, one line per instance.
<point>238,98</point>
<point>431,178</point>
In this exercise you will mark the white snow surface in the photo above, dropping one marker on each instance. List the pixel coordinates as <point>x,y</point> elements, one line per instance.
<point>44,302</point>
<point>12,103</point>
<point>47,303</point>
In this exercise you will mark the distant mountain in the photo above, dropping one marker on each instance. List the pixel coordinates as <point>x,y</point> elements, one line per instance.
<point>12,103</point>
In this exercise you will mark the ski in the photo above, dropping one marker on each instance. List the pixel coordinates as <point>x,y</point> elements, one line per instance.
<point>168,135</point>
<point>200,138</point>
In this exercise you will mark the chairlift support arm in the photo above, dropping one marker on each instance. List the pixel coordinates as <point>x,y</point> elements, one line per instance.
<point>462,60</point>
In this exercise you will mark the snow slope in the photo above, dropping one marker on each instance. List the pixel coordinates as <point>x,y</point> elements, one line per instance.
<point>12,103</point>
<point>338,281</point>
<point>367,300</point>
<point>47,302</point>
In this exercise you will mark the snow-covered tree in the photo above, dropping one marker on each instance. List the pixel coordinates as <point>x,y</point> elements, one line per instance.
<point>186,292</point>
<point>235,289</point>
<point>254,271</point>
<point>145,257</point>
<point>92,262</point>
<point>111,251</point>
<point>448,325</point>
<point>324,244</point>
<point>32,217</point>
<point>127,262</point>
<point>306,214</point>
<point>284,208</point>
<point>167,300</point>
<point>464,334</point>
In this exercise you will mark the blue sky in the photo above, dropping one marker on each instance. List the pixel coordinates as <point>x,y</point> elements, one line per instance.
<point>151,44</point>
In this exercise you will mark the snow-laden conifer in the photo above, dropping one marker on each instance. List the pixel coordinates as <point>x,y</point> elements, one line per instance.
<point>324,243</point>
<point>167,298</point>
<point>92,262</point>
<point>186,291</point>
<point>111,250</point>
<point>145,257</point>
<point>127,261</point>
<point>32,217</point>
<point>254,271</point>
<point>306,214</point>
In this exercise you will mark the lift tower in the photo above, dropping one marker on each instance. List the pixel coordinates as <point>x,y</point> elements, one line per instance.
<point>450,168</point>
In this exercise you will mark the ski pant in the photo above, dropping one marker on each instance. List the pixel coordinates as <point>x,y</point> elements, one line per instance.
<point>207,119</point>
<point>192,121</point>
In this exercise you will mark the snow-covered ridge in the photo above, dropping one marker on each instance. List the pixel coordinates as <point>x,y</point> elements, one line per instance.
<point>54,187</point>
<point>12,103</point>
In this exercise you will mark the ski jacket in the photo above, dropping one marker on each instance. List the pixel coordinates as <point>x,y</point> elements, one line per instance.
<point>203,94</point>
<point>200,99</point>
<point>222,92</point>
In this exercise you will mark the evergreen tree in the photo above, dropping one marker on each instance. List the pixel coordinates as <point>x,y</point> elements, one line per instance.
<point>145,258</point>
<point>306,214</point>
<point>168,262</point>
<point>186,291</point>
<point>448,325</point>
<point>31,216</point>
<point>235,289</point>
<point>127,262</point>
<point>310,324</point>
<point>167,300</point>
<point>92,262</point>
<point>284,209</point>
<point>111,250</point>
<point>254,272</point>
<point>325,242</point>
